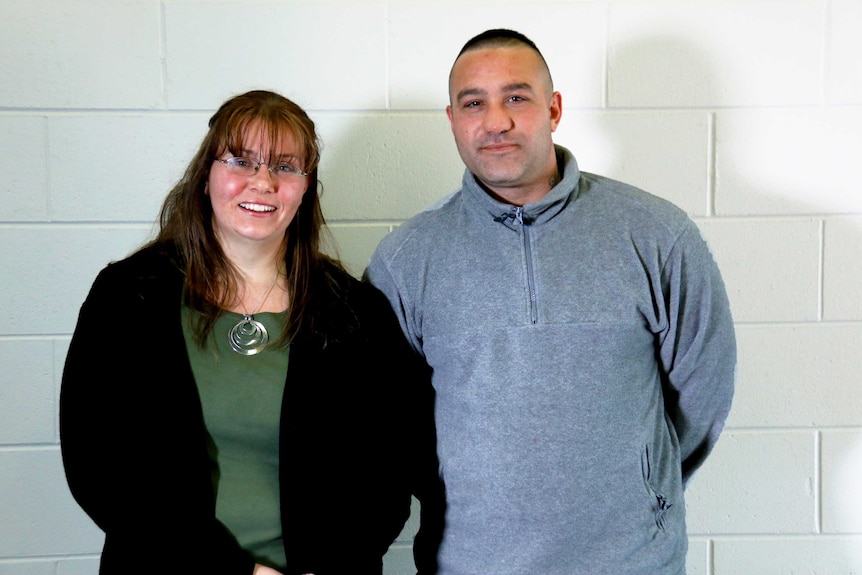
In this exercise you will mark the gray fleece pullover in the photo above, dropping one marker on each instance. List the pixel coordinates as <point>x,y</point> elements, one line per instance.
<point>583,357</point>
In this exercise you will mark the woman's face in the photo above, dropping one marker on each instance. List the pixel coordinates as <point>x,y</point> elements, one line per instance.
<point>255,210</point>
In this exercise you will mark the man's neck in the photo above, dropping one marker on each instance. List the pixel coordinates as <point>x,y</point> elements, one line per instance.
<point>522,196</point>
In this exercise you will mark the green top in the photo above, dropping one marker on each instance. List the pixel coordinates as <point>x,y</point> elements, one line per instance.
<point>241,397</point>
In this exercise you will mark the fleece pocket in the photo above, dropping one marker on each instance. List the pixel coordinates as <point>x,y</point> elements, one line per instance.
<point>660,503</point>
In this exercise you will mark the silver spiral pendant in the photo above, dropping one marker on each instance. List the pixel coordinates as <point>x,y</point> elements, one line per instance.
<point>248,336</point>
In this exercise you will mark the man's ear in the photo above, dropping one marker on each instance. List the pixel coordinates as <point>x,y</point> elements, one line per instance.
<point>556,110</point>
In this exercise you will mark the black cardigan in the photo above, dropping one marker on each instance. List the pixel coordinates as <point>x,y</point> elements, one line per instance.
<point>356,435</point>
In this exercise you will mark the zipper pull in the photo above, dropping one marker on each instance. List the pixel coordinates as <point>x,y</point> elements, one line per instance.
<point>511,219</point>
<point>519,215</point>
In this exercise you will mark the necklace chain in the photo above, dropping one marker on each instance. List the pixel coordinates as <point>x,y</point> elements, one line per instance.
<point>249,336</point>
<point>263,301</point>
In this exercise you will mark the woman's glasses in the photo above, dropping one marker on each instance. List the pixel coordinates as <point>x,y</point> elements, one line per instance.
<point>247,167</point>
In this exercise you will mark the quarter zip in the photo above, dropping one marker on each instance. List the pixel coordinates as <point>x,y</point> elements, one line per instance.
<point>516,221</point>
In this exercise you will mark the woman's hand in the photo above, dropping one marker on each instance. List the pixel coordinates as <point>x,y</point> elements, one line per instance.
<point>264,570</point>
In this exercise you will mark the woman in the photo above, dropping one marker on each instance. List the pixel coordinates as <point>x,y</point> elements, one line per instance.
<point>233,401</point>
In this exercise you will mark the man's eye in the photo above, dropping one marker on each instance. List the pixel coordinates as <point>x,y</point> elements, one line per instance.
<point>472,104</point>
<point>516,98</point>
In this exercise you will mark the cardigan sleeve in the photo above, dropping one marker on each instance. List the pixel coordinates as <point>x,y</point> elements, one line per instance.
<point>358,435</point>
<point>131,432</point>
<point>426,483</point>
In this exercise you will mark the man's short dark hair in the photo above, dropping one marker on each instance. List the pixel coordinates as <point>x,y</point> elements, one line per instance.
<point>502,38</point>
<point>496,38</point>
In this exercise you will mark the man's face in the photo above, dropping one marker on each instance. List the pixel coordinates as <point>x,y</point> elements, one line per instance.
<point>502,112</point>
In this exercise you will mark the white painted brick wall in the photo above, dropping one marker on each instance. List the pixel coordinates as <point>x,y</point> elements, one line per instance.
<point>842,267</point>
<point>693,54</point>
<point>788,161</point>
<point>95,54</point>
<point>117,167</point>
<point>666,152</point>
<point>369,166</point>
<point>746,114</point>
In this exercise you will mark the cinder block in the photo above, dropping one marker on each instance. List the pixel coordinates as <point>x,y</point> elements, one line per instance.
<point>78,566</point>
<point>27,392</point>
<point>28,567</point>
<point>23,163</point>
<point>53,268</point>
<point>842,479</point>
<point>420,62</point>
<point>34,497</point>
<point>676,54</point>
<point>385,167</point>
<point>770,267</point>
<point>780,556</point>
<point>412,525</point>
<point>328,55</point>
<point>842,269</point>
<point>356,242</point>
<point>86,54</point>
<point>697,559</point>
<point>61,349</point>
<point>788,161</point>
<point>398,560</point>
<point>844,82</point>
<point>638,147</point>
<point>139,158</point>
<point>798,376</point>
<point>755,483</point>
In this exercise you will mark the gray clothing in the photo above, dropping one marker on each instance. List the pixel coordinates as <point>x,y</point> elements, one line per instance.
<point>583,358</point>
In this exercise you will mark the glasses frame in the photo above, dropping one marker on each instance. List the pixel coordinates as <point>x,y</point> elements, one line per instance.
<point>257,165</point>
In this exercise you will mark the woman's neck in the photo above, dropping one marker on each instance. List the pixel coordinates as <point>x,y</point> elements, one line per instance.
<point>261,278</point>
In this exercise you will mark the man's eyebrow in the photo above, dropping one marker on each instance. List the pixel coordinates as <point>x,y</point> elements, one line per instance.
<point>513,87</point>
<point>470,92</point>
<point>517,86</point>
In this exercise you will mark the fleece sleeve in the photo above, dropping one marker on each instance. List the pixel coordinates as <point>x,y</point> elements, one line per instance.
<point>697,349</point>
<point>380,276</point>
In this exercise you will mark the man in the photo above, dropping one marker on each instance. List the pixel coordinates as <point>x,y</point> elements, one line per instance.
<point>579,333</point>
